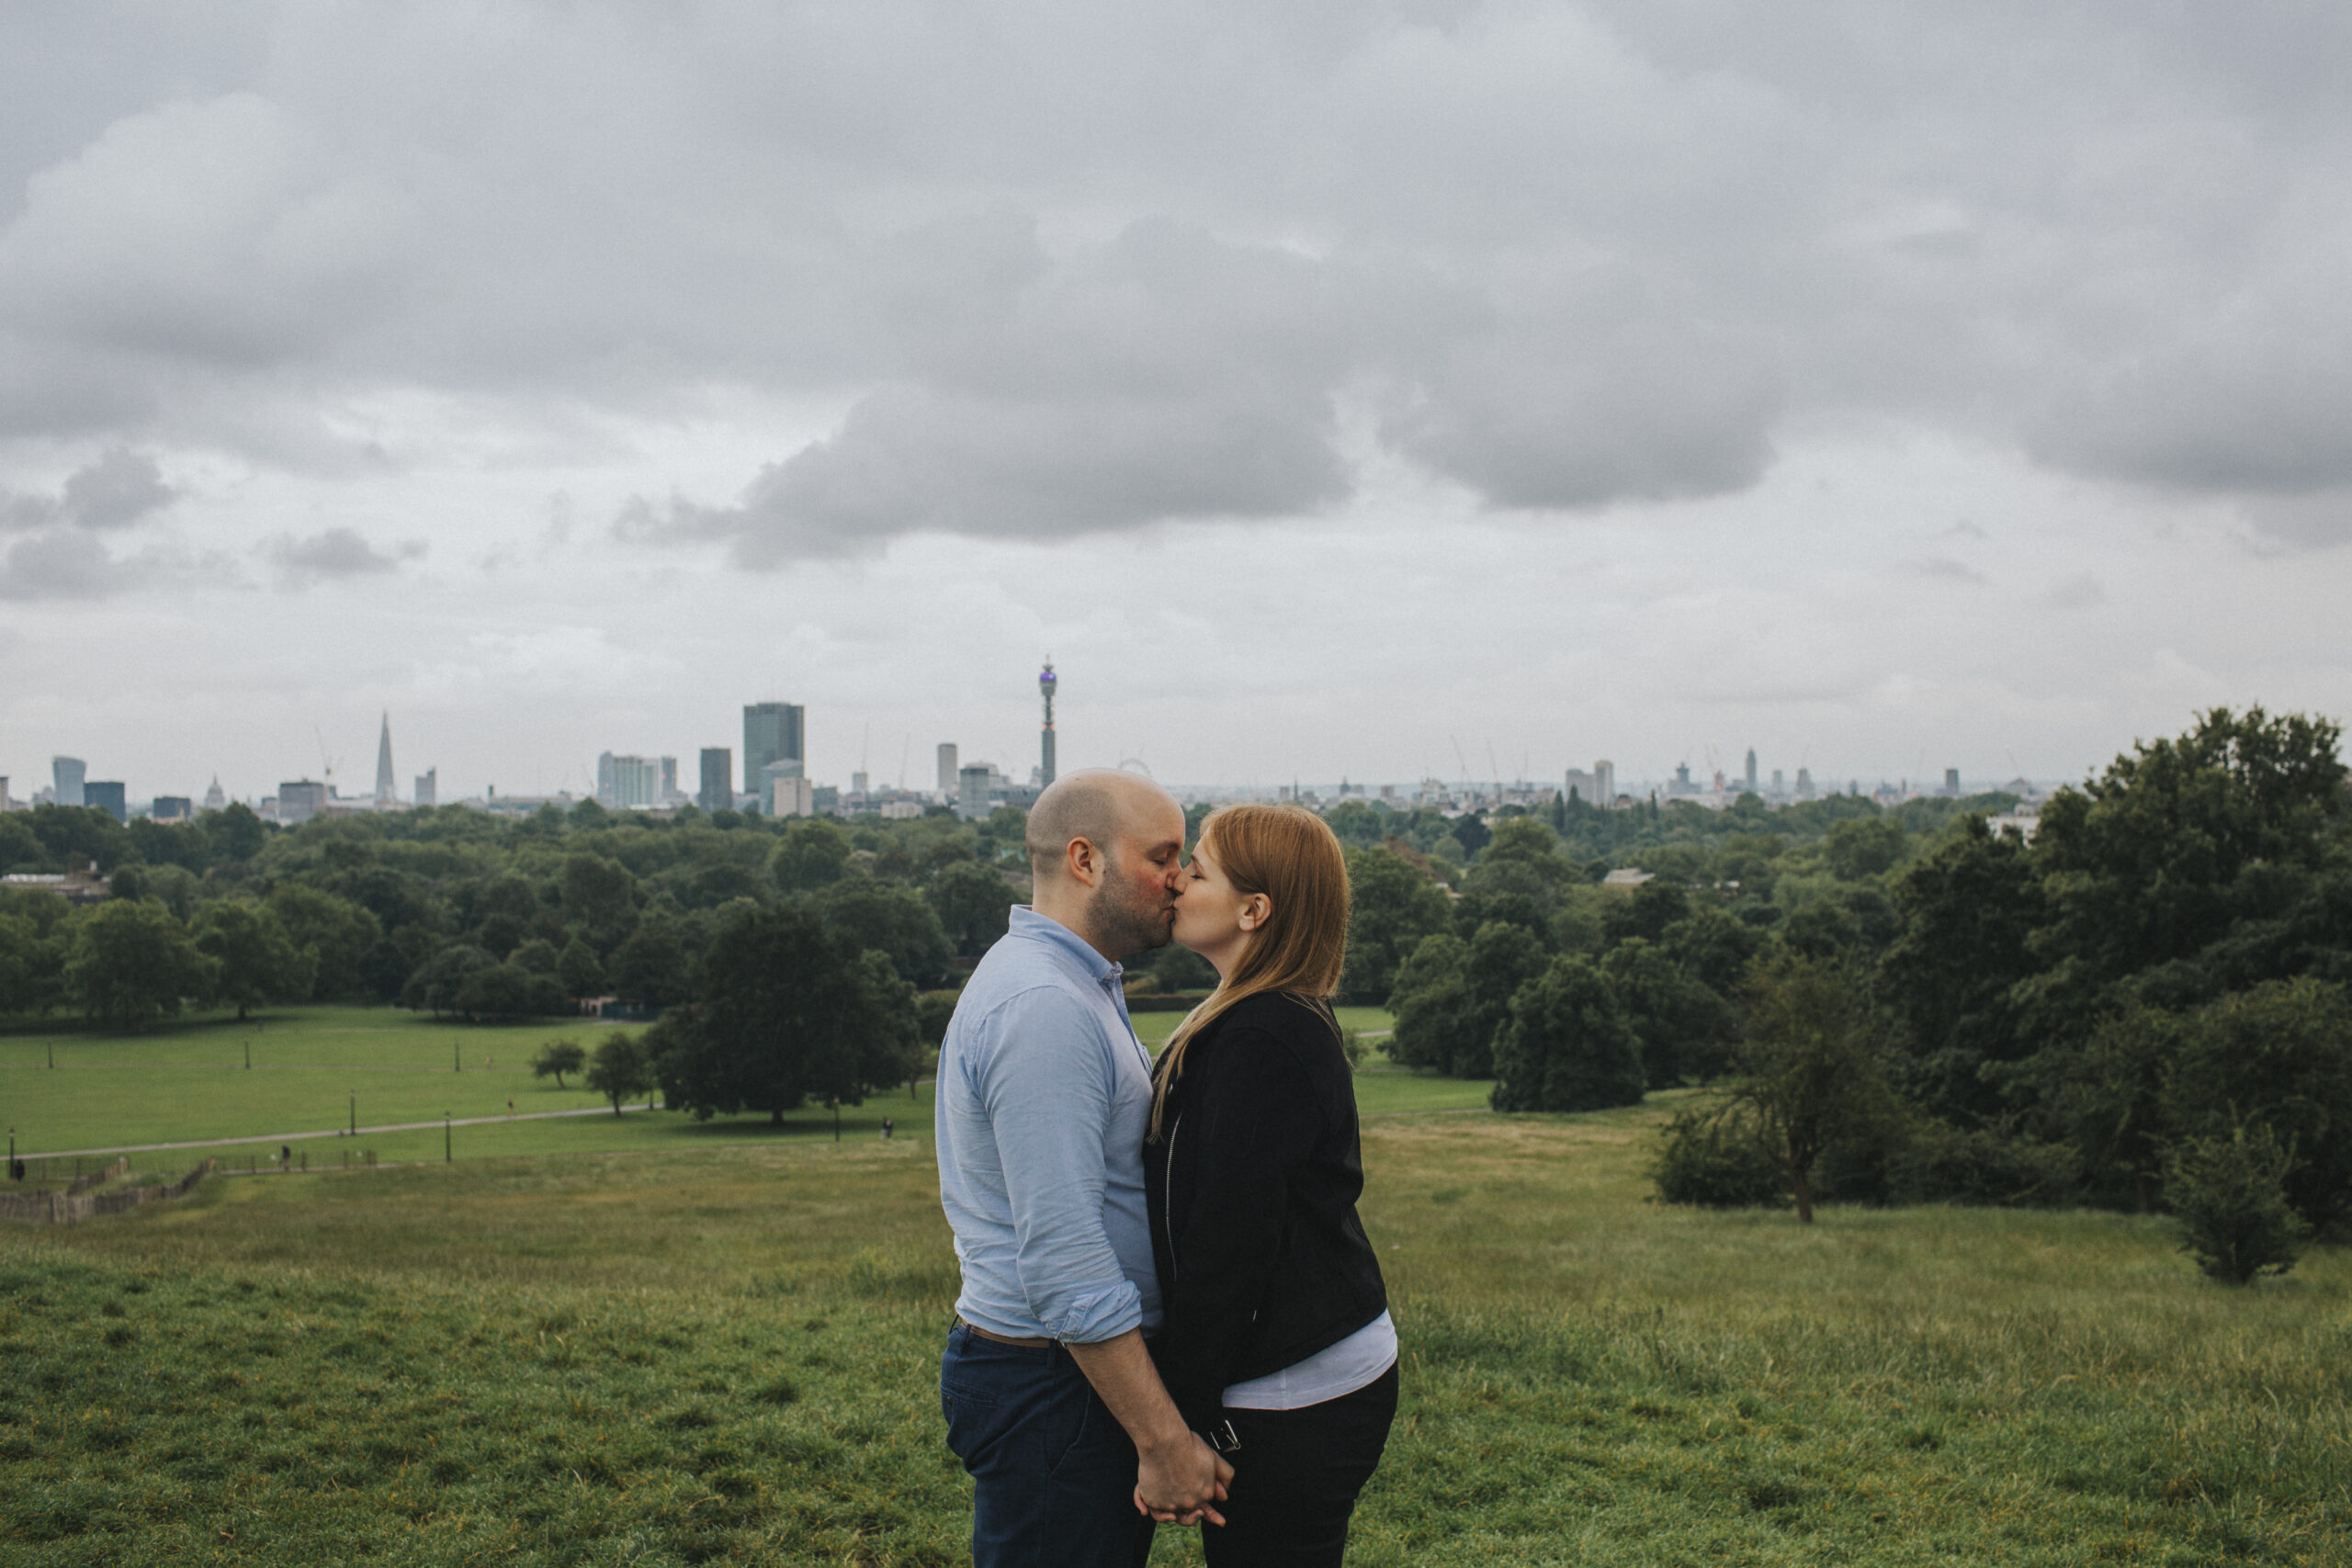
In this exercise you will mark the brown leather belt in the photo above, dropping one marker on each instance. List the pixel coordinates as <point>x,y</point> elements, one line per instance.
<point>992,1336</point>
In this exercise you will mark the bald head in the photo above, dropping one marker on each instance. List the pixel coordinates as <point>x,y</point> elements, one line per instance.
<point>1100,806</point>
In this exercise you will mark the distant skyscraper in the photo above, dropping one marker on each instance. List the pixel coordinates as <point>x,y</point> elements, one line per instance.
<point>387,793</point>
<point>299,800</point>
<point>106,795</point>
<point>717,792</point>
<point>171,808</point>
<point>1804,784</point>
<point>858,781</point>
<point>670,794</point>
<point>214,799</point>
<point>1952,780</point>
<point>68,772</point>
<point>1046,682</point>
<point>1604,783</point>
<point>428,787</point>
<point>1751,769</point>
<point>947,770</point>
<point>625,783</point>
<point>784,792</point>
<point>773,732</point>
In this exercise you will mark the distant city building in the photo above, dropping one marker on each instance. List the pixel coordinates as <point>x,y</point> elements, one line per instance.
<point>947,770</point>
<point>1751,769</point>
<point>172,808</point>
<point>106,795</point>
<point>5,803</point>
<point>387,793</point>
<point>1681,783</point>
<point>299,800</point>
<point>1952,781</point>
<point>900,810</point>
<point>784,792</point>
<point>982,788</point>
<point>1579,784</point>
<point>1804,784</point>
<point>670,794</point>
<point>1778,788</point>
<point>628,784</point>
<point>68,772</point>
<point>215,799</point>
<point>718,791</point>
<point>857,782</point>
<point>1046,683</point>
<point>1604,783</point>
<point>773,732</point>
<point>428,787</point>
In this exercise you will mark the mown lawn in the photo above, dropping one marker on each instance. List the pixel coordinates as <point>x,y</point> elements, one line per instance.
<point>728,1353</point>
<point>319,1068</point>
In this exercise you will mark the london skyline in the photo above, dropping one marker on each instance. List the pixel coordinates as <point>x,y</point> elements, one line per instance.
<point>1324,389</point>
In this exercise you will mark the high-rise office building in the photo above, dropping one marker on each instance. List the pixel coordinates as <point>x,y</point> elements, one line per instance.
<point>299,800</point>
<point>773,732</point>
<point>718,791</point>
<point>784,792</point>
<point>1048,682</point>
<point>5,803</point>
<point>428,787</point>
<point>386,792</point>
<point>1604,783</point>
<point>108,796</point>
<point>671,793</point>
<point>171,808</point>
<point>1804,784</point>
<point>1751,769</point>
<point>1952,780</point>
<point>948,772</point>
<point>68,774</point>
<point>858,781</point>
<point>625,783</point>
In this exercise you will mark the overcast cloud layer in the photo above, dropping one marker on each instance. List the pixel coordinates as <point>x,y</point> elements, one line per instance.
<point>1331,388</point>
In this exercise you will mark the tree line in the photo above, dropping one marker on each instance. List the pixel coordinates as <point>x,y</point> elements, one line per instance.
<point>2142,1007</point>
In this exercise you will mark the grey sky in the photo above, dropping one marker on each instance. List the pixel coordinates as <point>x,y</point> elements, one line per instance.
<point>1887,387</point>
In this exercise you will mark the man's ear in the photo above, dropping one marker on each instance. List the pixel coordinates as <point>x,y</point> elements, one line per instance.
<point>1081,859</point>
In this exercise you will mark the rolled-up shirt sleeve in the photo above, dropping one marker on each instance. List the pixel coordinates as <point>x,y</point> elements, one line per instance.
<point>1047,1090</point>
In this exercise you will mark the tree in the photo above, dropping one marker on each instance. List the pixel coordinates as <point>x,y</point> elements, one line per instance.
<point>2280,1057</point>
<point>508,991</point>
<point>253,960</point>
<point>1682,1026</point>
<point>649,970</point>
<point>130,961</point>
<point>436,983</point>
<point>557,1057</point>
<point>787,1008</point>
<point>890,920</point>
<point>974,904</point>
<point>1862,846</point>
<point>577,970</point>
<point>599,895</point>
<point>1810,1065</point>
<point>1645,911</point>
<point>1503,956</point>
<point>621,1069</point>
<point>2230,1193</point>
<point>1967,912</point>
<point>812,854</point>
<point>234,832</point>
<point>335,933</point>
<point>1393,908</point>
<point>1432,1000</point>
<point>1567,1046</point>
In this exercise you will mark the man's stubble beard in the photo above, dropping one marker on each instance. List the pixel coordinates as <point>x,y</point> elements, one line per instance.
<point>1121,924</point>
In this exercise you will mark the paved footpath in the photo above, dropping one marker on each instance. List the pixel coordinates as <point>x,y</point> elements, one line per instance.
<point>329,1132</point>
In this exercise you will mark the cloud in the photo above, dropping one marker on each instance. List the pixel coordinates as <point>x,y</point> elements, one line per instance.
<point>64,564</point>
<point>121,488</point>
<point>332,554</point>
<point>2081,592</point>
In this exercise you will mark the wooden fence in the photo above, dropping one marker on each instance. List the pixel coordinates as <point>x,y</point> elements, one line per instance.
<point>73,1208</point>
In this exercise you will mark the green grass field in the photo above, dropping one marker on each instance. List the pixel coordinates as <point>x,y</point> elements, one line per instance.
<point>315,1069</point>
<point>712,1353</point>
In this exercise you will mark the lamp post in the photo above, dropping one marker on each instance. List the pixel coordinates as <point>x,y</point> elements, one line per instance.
<point>16,1171</point>
<point>249,1056</point>
<point>456,1058</point>
<point>354,1113</point>
<point>446,1157</point>
<point>835,1102</point>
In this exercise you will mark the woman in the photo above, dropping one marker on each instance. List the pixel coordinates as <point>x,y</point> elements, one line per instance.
<point>1277,1342</point>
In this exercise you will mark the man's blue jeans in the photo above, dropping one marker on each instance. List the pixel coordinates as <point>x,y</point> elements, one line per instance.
<point>1053,1471</point>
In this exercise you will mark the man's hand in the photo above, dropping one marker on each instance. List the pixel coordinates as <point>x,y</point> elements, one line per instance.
<point>1176,1482</point>
<point>1177,1476</point>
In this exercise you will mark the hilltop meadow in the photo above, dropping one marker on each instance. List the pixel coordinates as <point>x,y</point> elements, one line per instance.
<point>688,1353</point>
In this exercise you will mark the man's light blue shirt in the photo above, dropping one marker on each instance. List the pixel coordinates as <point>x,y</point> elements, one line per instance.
<point>1045,1093</point>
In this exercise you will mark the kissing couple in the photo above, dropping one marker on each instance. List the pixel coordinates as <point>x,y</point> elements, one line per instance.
<point>1170,1313</point>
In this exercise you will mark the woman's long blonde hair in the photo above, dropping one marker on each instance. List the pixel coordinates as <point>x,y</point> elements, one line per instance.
<point>1290,856</point>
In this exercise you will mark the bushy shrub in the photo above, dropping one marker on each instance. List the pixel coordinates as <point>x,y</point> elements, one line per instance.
<point>1941,1164</point>
<point>1718,1158</point>
<point>2230,1194</point>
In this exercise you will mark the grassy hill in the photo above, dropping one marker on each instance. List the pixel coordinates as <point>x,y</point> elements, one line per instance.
<point>701,1353</point>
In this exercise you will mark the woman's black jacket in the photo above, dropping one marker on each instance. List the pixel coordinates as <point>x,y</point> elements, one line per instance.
<point>1254,1184</point>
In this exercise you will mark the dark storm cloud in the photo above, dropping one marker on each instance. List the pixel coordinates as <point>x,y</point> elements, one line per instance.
<point>334,553</point>
<point>119,489</point>
<point>64,563</point>
<point>1073,268</point>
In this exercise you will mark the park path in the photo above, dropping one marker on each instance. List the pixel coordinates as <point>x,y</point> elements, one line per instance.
<point>329,1132</point>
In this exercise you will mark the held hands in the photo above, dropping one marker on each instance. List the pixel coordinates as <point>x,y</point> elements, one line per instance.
<point>1176,1482</point>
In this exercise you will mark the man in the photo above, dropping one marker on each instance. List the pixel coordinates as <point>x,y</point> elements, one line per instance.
<point>1051,1399</point>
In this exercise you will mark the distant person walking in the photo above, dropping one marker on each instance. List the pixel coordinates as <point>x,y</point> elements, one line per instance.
<point>1276,1337</point>
<point>1044,1096</point>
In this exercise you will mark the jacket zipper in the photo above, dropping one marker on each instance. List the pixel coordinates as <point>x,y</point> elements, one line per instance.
<point>1168,1199</point>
